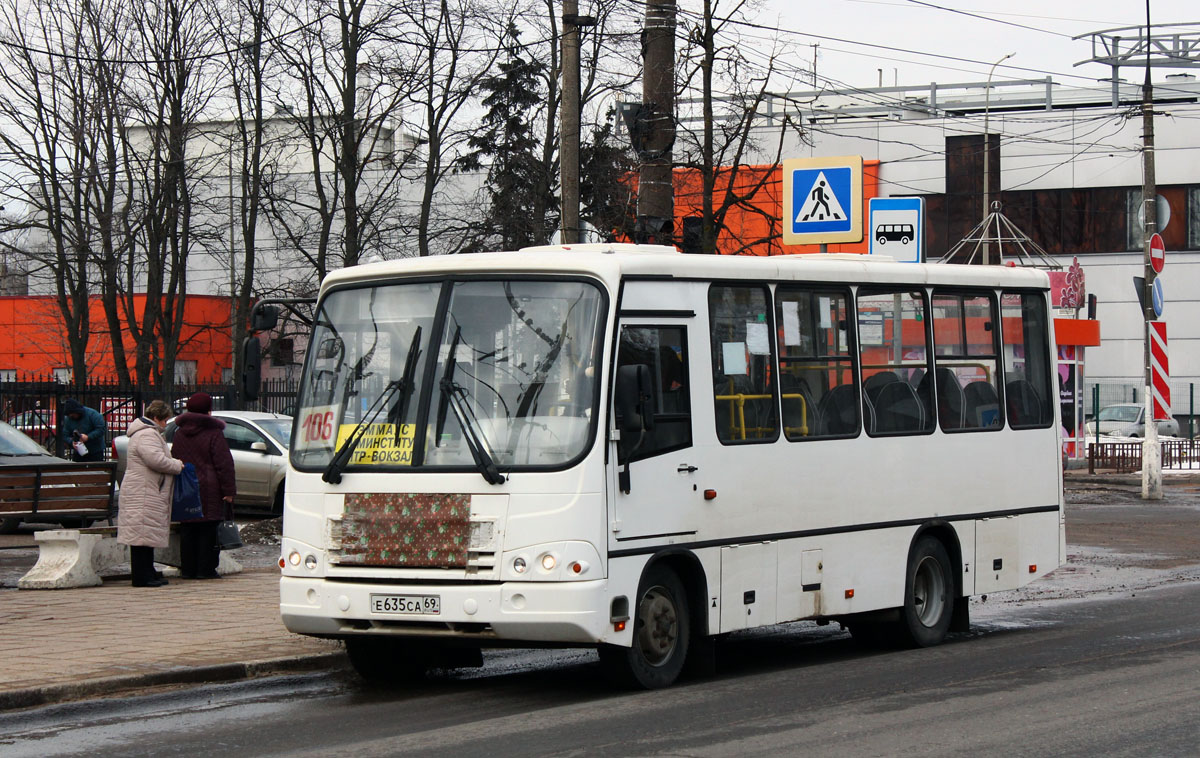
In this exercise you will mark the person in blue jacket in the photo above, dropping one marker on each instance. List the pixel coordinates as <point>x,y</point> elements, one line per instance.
<point>86,425</point>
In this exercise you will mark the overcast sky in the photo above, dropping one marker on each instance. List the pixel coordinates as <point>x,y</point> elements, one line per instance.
<point>1044,48</point>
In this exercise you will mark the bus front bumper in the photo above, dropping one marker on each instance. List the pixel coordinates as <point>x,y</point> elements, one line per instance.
<point>563,612</point>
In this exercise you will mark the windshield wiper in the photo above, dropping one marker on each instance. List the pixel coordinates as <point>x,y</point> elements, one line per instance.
<point>454,395</point>
<point>404,386</point>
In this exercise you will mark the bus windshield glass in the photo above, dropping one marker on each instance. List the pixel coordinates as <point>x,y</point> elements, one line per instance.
<point>508,382</point>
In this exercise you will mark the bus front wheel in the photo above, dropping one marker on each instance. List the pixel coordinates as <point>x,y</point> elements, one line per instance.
<point>386,661</point>
<point>661,635</point>
<point>928,596</point>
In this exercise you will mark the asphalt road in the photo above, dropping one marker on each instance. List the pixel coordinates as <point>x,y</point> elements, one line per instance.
<point>1103,657</point>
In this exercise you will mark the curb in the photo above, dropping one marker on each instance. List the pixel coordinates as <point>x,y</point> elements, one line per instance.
<point>220,672</point>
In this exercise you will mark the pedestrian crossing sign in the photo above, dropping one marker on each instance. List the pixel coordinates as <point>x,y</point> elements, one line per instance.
<point>822,200</point>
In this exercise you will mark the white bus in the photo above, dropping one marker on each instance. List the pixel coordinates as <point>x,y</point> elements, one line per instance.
<point>630,448</point>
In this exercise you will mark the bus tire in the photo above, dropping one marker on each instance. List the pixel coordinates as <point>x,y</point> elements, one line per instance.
<point>928,595</point>
<point>386,661</point>
<point>882,240</point>
<point>904,240</point>
<point>661,635</point>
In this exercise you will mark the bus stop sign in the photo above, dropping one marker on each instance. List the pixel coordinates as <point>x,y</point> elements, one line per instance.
<point>897,228</point>
<point>1158,253</point>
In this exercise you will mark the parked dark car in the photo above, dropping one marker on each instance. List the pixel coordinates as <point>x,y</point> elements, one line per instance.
<point>18,449</point>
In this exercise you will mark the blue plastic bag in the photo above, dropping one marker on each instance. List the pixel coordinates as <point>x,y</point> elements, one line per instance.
<point>186,505</point>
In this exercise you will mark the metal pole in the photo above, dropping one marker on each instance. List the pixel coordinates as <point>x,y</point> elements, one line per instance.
<point>1191,409</point>
<point>569,116</point>
<point>987,149</point>
<point>1151,453</point>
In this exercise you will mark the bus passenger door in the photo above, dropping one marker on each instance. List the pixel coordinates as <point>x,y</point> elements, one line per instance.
<point>663,500</point>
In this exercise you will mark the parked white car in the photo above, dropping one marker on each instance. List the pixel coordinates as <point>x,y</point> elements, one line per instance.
<point>259,444</point>
<point>1129,420</point>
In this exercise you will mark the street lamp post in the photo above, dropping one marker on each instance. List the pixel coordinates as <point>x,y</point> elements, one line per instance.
<point>987,102</point>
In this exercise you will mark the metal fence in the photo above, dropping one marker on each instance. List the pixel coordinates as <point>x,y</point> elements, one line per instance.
<point>1104,392</point>
<point>1126,457</point>
<point>33,405</point>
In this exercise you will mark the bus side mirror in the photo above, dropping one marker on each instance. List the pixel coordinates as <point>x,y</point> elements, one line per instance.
<point>251,368</point>
<point>264,318</point>
<point>635,399</point>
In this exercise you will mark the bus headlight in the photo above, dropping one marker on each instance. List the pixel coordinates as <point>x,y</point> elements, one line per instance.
<point>310,562</point>
<point>294,558</point>
<point>552,562</point>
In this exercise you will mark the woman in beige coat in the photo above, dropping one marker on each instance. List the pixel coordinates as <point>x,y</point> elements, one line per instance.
<point>144,520</point>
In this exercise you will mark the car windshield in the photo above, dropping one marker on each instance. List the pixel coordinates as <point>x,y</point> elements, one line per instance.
<point>13,442</point>
<point>279,429</point>
<point>1123,413</point>
<point>514,363</point>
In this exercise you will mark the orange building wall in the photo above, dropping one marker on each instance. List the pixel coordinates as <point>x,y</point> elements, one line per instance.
<point>33,338</point>
<point>744,227</point>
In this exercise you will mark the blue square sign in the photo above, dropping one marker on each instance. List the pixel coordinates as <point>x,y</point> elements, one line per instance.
<point>896,226</point>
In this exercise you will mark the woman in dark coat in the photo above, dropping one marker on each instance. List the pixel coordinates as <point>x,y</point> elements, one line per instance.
<point>198,440</point>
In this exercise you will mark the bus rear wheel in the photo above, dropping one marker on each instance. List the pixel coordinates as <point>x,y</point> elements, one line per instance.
<point>928,595</point>
<point>661,635</point>
<point>386,661</point>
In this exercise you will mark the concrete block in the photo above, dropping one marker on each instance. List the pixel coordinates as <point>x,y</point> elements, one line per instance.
<point>67,558</point>
<point>73,558</point>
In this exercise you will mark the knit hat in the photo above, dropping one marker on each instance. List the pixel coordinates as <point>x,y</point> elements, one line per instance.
<point>72,406</point>
<point>200,402</point>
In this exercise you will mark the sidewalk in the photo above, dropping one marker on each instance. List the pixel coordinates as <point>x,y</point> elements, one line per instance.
<point>60,645</point>
<point>1171,479</point>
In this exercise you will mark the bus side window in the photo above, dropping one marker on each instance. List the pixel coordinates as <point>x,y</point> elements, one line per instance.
<point>816,363</point>
<point>892,345</point>
<point>966,353</point>
<point>664,350</point>
<point>1027,391</point>
<point>743,364</point>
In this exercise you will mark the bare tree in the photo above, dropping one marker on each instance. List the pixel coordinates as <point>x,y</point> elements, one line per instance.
<point>727,140</point>
<point>246,26</point>
<point>56,102</point>
<point>454,38</point>
<point>350,75</point>
<point>171,87</point>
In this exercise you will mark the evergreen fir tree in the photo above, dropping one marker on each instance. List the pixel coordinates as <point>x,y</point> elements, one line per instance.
<point>516,173</point>
<point>606,171</point>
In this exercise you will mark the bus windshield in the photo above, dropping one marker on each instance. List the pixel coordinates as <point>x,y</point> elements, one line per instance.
<point>508,383</point>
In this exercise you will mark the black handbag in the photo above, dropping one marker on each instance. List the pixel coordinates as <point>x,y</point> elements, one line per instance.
<point>228,537</point>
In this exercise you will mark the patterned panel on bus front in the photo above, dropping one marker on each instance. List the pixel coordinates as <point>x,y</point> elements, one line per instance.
<point>410,530</point>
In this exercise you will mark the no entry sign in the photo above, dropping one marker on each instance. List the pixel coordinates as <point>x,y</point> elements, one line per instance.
<point>1158,253</point>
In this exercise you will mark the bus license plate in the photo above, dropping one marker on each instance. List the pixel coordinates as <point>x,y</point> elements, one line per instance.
<point>418,604</point>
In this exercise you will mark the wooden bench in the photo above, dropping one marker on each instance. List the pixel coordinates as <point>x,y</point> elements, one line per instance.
<point>58,491</point>
<point>75,557</point>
